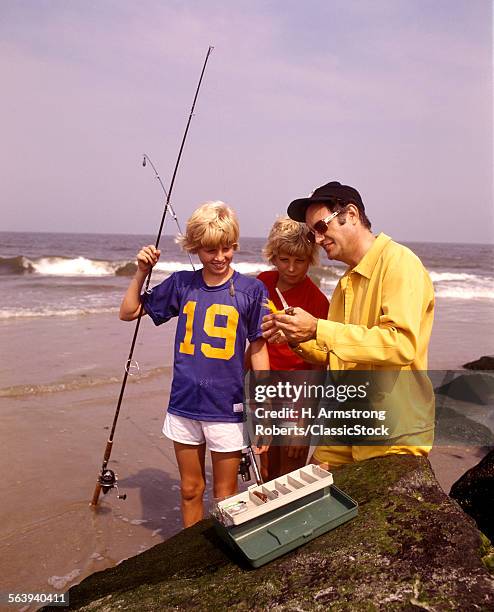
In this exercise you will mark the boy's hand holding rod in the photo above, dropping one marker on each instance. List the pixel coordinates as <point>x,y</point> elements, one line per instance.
<point>147,258</point>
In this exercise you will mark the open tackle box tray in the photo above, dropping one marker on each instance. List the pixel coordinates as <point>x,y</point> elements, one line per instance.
<point>270,519</point>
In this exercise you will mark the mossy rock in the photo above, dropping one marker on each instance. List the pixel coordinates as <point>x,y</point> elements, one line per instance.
<point>410,548</point>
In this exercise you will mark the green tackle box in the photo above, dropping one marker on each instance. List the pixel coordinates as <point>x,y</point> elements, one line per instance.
<point>269,520</point>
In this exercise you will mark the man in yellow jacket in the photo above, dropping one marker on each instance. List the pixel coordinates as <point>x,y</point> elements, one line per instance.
<point>380,319</point>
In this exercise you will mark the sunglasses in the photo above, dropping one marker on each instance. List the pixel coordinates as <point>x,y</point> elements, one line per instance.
<point>321,227</point>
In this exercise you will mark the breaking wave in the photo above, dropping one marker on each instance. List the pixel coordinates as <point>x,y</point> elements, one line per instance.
<point>462,285</point>
<point>82,267</point>
<point>63,266</point>
<point>451,285</point>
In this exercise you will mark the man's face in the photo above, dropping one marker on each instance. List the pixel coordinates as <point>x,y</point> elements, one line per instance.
<point>336,240</point>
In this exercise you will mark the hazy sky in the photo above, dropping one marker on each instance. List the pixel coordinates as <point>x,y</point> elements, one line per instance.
<point>391,96</point>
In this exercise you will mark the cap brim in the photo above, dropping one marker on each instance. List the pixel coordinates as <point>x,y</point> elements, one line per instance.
<point>297,209</point>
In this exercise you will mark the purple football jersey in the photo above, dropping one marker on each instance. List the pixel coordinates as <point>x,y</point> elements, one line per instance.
<point>213,326</point>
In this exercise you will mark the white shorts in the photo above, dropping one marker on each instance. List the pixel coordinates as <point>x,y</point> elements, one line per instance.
<point>220,437</point>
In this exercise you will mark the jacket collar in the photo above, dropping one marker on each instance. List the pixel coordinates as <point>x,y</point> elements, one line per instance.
<point>366,265</point>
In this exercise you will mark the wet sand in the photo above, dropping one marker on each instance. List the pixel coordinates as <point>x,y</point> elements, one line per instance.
<point>53,443</point>
<point>59,387</point>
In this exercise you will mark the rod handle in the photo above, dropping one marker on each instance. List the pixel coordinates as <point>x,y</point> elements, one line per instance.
<point>255,467</point>
<point>97,491</point>
<point>106,458</point>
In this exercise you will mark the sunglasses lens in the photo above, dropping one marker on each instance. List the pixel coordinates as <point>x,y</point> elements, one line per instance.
<point>321,227</point>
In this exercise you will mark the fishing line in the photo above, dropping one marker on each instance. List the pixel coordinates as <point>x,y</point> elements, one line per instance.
<point>146,159</point>
<point>107,478</point>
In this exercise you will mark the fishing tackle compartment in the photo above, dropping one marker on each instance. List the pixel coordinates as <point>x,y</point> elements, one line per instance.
<point>271,519</point>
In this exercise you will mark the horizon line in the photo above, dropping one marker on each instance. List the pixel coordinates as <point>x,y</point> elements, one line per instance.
<point>241,238</point>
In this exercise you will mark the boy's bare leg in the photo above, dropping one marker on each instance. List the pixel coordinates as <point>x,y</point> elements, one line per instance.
<point>277,461</point>
<point>225,473</point>
<point>270,463</point>
<point>190,459</point>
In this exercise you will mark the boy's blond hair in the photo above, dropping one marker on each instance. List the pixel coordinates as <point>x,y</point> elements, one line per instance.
<point>212,225</point>
<point>289,237</point>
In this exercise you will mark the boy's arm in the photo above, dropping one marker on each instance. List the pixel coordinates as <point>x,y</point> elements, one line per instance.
<point>247,359</point>
<point>147,258</point>
<point>259,356</point>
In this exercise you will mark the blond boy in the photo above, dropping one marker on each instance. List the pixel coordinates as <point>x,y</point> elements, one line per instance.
<point>291,255</point>
<point>218,310</point>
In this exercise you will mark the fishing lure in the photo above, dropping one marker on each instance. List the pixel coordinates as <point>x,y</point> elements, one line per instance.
<point>269,304</point>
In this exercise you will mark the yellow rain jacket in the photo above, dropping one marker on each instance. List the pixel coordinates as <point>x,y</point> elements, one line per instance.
<point>380,319</point>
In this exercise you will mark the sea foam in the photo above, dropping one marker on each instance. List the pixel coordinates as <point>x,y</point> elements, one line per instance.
<point>84,267</point>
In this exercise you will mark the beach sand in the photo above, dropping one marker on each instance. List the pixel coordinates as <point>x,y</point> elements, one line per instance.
<point>63,376</point>
<point>53,444</point>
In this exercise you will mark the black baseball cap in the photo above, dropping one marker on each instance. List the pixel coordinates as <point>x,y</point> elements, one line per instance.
<point>327,193</point>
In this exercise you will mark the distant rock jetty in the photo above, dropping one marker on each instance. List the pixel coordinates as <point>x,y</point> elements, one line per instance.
<point>484,363</point>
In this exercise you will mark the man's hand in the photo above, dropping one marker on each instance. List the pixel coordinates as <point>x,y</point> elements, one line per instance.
<point>298,327</point>
<point>278,338</point>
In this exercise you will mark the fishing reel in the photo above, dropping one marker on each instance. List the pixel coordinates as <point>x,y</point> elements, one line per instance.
<point>108,481</point>
<point>244,467</point>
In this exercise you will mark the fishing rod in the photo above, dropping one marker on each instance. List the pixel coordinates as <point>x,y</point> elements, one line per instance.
<point>107,479</point>
<point>247,461</point>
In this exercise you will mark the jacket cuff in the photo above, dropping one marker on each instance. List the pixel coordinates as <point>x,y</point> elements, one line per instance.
<point>326,334</point>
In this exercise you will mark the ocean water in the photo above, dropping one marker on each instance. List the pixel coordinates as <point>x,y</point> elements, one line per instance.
<point>45,274</point>
<point>72,275</point>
